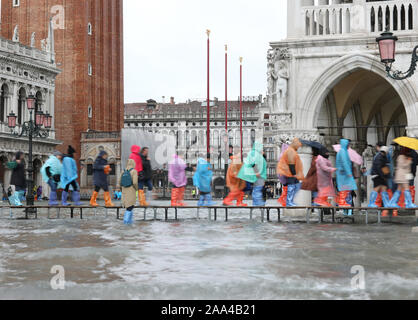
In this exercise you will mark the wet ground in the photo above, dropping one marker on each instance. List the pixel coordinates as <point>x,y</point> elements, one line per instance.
<point>198,259</point>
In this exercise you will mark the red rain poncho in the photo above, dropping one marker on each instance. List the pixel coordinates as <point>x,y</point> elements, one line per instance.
<point>324,171</point>
<point>232,181</point>
<point>137,158</point>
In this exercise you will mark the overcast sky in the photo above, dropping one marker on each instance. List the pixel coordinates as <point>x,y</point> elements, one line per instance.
<point>165,46</point>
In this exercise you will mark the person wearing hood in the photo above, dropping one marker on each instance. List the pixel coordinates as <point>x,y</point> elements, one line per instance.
<point>51,174</point>
<point>380,175</point>
<point>101,170</point>
<point>18,181</point>
<point>310,183</point>
<point>403,176</point>
<point>325,184</point>
<point>69,176</point>
<point>202,180</point>
<point>135,150</point>
<point>235,184</point>
<point>345,178</point>
<point>145,178</point>
<point>283,180</point>
<point>291,167</point>
<point>177,176</point>
<point>254,170</point>
<point>129,189</point>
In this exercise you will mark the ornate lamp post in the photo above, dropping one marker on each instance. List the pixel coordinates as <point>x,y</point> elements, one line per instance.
<point>387,49</point>
<point>31,129</point>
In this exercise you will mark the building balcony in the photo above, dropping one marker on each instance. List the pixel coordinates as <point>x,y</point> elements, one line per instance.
<point>329,19</point>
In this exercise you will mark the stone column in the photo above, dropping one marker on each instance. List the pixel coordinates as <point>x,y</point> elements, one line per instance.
<point>303,198</point>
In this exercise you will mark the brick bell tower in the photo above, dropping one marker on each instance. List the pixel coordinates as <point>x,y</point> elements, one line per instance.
<point>89,51</point>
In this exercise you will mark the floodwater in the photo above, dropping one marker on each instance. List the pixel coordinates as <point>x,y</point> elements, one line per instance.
<point>198,259</point>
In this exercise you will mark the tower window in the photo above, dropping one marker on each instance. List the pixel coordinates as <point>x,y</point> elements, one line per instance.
<point>16,3</point>
<point>90,112</point>
<point>89,29</point>
<point>90,71</point>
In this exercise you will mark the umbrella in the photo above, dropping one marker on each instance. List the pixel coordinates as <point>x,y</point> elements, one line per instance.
<point>313,144</point>
<point>407,142</point>
<point>354,156</point>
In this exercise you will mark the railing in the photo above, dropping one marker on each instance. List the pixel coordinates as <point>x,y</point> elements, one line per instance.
<point>265,211</point>
<point>340,19</point>
<point>327,19</point>
<point>391,15</point>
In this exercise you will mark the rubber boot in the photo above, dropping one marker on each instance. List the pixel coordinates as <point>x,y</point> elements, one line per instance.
<point>373,201</point>
<point>258,200</point>
<point>15,200</point>
<point>240,199</point>
<point>76,198</point>
<point>386,200</point>
<point>174,196</point>
<point>401,201</point>
<point>283,197</point>
<point>93,200</point>
<point>229,200</point>
<point>142,201</point>
<point>343,200</point>
<point>201,201</point>
<point>53,199</point>
<point>208,200</point>
<point>322,201</point>
<point>180,201</point>
<point>127,219</point>
<point>409,204</point>
<point>64,198</point>
<point>148,196</point>
<point>108,200</point>
<point>291,192</point>
<point>395,199</point>
<point>379,201</point>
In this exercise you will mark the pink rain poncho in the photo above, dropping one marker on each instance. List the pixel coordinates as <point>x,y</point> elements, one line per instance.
<point>177,172</point>
<point>324,173</point>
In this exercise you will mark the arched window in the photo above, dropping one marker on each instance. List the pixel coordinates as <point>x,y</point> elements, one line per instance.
<point>380,19</point>
<point>410,18</point>
<point>3,92</point>
<point>252,137</point>
<point>21,106</point>
<point>395,18</point>
<point>403,17</point>
<point>373,20</point>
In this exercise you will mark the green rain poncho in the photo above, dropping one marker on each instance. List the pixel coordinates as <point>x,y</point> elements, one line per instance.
<point>254,160</point>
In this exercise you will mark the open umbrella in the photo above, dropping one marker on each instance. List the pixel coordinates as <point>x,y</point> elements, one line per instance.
<point>354,156</point>
<point>407,142</point>
<point>314,144</point>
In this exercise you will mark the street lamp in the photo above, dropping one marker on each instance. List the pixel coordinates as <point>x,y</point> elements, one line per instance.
<point>31,129</point>
<point>387,49</point>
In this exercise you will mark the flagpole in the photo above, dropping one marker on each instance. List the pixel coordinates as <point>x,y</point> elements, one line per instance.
<point>240,109</point>
<point>208,101</point>
<point>226,136</point>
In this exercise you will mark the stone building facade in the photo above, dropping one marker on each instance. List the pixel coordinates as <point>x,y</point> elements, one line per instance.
<point>25,71</point>
<point>326,81</point>
<point>187,122</point>
<point>88,48</point>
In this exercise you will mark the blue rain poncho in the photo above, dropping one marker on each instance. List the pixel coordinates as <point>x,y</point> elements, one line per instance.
<point>69,171</point>
<point>202,178</point>
<point>55,167</point>
<point>254,160</point>
<point>345,178</point>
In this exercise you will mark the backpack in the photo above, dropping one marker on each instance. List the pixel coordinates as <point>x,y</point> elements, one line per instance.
<point>126,179</point>
<point>11,165</point>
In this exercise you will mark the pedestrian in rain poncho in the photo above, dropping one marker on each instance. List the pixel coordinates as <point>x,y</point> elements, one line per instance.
<point>51,174</point>
<point>283,180</point>
<point>177,176</point>
<point>310,183</point>
<point>129,185</point>
<point>235,184</point>
<point>324,171</point>
<point>254,171</point>
<point>202,180</point>
<point>18,181</point>
<point>380,175</point>
<point>69,177</point>
<point>345,179</point>
<point>101,170</point>
<point>291,167</point>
